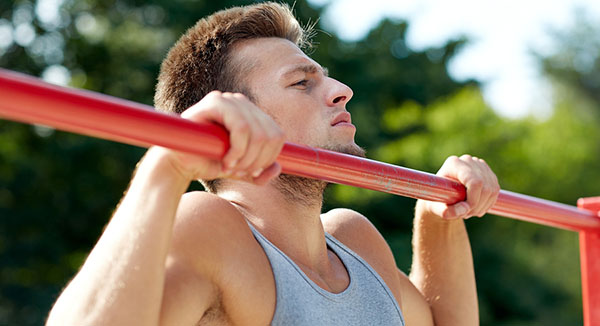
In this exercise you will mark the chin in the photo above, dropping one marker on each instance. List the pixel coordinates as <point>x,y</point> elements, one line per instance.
<point>351,149</point>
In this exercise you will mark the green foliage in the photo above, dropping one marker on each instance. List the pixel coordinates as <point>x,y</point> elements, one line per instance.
<point>57,190</point>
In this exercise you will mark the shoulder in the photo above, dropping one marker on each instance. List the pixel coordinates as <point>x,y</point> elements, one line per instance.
<point>206,223</point>
<point>360,235</point>
<point>356,232</point>
<point>211,244</point>
<point>344,223</point>
<point>210,232</point>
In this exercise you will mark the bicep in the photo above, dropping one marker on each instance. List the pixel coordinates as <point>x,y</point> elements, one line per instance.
<point>186,295</point>
<point>415,308</point>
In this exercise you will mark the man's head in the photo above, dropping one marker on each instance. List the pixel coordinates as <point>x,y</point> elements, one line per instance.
<point>256,50</point>
<point>201,61</point>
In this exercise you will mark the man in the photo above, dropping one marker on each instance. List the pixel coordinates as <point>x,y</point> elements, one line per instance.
<point>255,249</point>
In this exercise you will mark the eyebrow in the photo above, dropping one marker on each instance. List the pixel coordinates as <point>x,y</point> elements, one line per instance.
<point>307,68</point>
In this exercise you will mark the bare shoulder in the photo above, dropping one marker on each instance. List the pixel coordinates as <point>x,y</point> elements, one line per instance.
<point>360,235</point>
<point>205,227</point>
<point>214,237</point>
<point>346,223</point>
<point>211,245</point>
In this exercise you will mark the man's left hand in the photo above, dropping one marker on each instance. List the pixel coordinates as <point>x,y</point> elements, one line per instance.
<point>481,184</point>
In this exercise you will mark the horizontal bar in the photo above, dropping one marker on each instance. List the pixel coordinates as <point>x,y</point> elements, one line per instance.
<point>30,100</point>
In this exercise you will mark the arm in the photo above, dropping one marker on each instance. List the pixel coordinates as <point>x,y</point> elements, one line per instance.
<point>125,270</point>
<point>442,267</point>
<point>122,281</point>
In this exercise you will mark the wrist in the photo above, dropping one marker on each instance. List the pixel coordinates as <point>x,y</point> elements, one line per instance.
<point>161,164</point>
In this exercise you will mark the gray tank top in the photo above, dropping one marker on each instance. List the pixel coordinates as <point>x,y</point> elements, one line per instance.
<point>301,302</point>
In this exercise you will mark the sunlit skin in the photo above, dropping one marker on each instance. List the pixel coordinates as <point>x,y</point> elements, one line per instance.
<point>192,258</point>
<point>298,93</point>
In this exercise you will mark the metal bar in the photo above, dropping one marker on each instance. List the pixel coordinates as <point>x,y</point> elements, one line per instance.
<point>589,246</point>
<point>30,100</point>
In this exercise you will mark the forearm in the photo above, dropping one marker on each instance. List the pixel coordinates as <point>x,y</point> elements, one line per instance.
<point>442,269</point>
<point>121,282</point>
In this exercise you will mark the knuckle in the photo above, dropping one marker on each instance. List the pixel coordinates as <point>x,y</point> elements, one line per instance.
<point>277,136</point>
<point>259,137</point>
<point>475,183</point>
<point>465,157</point>
<point>451,160</point>
<point>213,95</point>
<point>242,127</point>
<point>235,151</point>
<point>488,189</point>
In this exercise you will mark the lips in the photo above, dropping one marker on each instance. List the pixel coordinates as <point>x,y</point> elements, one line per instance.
<point>343,117</point>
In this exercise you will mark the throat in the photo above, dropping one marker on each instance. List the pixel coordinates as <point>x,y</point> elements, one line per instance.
<point>300,190</point>
<point>334,278</point>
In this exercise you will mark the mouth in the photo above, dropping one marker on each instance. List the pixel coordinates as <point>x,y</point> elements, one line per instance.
<point>343,117</point>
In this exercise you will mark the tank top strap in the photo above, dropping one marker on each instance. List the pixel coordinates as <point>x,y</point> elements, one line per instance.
<point>300,301</point>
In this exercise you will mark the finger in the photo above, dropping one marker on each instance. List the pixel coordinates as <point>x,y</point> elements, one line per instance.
<point>256,136</point>
<point>220,108</point>
<point>271,148</point>
<point>492,197</point>
<point>449,212</point>
<point>245,133</point>
<point>211,170</point>
<point>256,143</point>
<point>491,189</point>
<point>267,174</point>
<point>474,199</point>
<point>205,109</point>
<point>239,138</point>
<point>458,210</point>
<point>474,175</point>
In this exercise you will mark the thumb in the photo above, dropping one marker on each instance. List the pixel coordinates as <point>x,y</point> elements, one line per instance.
<point>446,211</point>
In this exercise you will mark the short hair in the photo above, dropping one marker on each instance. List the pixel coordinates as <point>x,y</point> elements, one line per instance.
<point>201,60</point>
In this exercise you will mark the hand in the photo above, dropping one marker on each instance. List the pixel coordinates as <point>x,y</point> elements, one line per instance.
<point>255,141</point>
<point>481,184</point>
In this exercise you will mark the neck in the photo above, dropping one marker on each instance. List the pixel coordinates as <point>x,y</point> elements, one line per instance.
<point>287,212</point>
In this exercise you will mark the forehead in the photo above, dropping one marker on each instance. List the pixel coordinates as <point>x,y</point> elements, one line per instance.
<point>273,58</point>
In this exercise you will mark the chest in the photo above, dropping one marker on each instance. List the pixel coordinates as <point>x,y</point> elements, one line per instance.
<point>278,291</point>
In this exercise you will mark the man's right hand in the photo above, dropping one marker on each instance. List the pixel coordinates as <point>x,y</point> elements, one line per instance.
<point>255,141</point>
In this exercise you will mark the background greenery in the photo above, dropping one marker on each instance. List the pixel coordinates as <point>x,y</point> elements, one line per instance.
<point>57,190</point>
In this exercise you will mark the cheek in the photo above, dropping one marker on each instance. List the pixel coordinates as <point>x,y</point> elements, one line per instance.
<point>305,131</point>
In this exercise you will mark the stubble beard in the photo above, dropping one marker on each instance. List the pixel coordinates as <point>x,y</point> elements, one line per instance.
<point>307,191</point>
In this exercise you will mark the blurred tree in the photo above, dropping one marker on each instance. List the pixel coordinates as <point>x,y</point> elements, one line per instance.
<point>575,61</point>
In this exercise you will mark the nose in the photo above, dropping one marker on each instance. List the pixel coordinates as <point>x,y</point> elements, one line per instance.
<point>339,93</point>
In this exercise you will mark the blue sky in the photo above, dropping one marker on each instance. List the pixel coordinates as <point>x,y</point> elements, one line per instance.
<point>502,34</point>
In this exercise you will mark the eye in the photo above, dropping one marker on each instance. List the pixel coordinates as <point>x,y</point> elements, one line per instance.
<point>302,83</point>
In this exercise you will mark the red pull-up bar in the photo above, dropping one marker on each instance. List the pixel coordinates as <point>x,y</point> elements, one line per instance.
<point>29,100</point>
